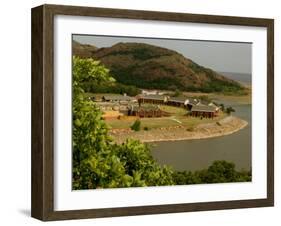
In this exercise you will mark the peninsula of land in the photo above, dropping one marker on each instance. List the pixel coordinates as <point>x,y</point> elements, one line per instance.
<point>225,126</point>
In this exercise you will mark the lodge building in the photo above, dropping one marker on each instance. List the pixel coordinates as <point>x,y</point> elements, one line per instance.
<point>205,111</point>
<point>146,111</point>
<point>152,99</point>
<point>118,98</point>
<point>177,101</point>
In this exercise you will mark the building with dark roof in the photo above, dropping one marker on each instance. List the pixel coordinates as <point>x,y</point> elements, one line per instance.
<point>146,111</point>
<point>215,105</point>
<point>152,99</point>
<point>191,102</point>
<point>177,101</point>
<point>117,98</point>
<point>205,111</point>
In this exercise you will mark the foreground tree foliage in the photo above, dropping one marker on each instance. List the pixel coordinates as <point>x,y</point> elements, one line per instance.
<point>100,163</point>
<point>97,161</point>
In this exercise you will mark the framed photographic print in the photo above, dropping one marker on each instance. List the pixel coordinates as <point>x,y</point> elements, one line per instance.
<point>141,112</point>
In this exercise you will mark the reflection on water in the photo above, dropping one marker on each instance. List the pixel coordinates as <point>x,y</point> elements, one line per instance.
<point>198,154</point>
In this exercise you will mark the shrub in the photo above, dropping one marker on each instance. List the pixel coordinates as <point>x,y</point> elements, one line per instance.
<point>146,128</point>
<point>190,129</point>
<point>136,126</point>
<point>229,110</point>
<point>177,93</point>
<point>222,107</point>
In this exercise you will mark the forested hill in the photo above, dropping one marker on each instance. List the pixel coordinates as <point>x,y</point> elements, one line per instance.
<point>152,67</point>
<point>83,50</point>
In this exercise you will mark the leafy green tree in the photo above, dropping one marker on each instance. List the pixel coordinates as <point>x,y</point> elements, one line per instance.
<point>139,163</point>
<point>229,110</point>
<point>177,93</point>
<point>222,107</point>
<point>220,171</point>
<point>107,87</point>
<point>90,139</point>
<point>95,164</point>
<point>97,161</point>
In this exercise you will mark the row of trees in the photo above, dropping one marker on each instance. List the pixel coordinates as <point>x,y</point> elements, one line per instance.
<point>218,172</point>
<point>98,162</point>
<point>105,87</point>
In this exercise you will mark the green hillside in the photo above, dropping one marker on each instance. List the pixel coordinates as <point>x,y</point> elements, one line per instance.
<point>152,67</point>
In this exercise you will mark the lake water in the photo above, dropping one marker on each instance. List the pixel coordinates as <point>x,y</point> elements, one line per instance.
<point>198,154</point>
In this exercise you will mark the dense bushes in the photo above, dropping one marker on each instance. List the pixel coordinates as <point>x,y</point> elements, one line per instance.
<point>94,87</point>
<point>218,172</point>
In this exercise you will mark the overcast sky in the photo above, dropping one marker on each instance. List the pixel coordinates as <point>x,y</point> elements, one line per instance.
<point>220,56</point>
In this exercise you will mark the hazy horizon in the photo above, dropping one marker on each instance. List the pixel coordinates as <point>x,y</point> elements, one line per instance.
<point>230,57</point>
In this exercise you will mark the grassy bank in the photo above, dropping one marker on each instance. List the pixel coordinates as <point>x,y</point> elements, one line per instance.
<point>222,127</point>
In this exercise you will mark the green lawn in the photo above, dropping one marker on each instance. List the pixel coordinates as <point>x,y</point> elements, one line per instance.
<point>145,122</point>
<point>176,111</point>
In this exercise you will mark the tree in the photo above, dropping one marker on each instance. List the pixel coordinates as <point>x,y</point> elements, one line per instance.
<point>97,161</point>
<point>229,110</point>
<point>218,172</point>
<point>90,137</point>
<point>177,93</point>
<point>139,163</point>
<point>136,126</point>
<point>222,107</point>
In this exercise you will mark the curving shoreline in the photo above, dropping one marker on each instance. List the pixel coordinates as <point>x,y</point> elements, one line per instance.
<point>226,126</point>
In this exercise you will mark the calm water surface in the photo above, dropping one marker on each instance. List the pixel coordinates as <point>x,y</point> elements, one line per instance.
<point>198,154</point>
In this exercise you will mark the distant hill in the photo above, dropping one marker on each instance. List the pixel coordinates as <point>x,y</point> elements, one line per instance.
<point>83,50</point>
<point>152,67</point>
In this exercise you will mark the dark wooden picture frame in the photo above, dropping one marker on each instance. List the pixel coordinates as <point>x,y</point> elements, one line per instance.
<point>42,203</point>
